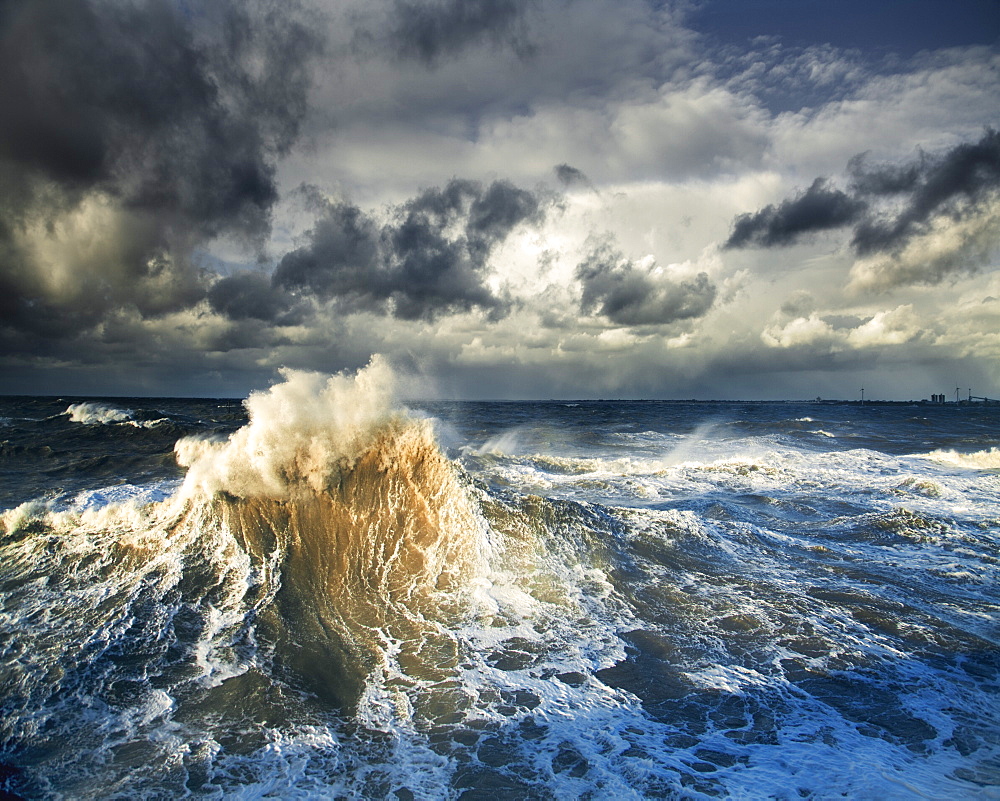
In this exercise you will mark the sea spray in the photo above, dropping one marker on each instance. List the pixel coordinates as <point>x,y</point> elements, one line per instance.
<point>301,435</point>
<point>977,460</point>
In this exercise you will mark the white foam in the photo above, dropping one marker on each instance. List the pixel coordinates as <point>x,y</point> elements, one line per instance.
<point>977,460</point>
<point>304,429</point>
<point>148,423</point>
<point>97,414</point>
<point>92,414</point>
<point>123,494</point>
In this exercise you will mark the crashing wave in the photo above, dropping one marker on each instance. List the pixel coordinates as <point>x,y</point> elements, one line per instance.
<point>97,414</point>
<point>977,460</point>
<point>340,504</point>
<point>88,413</point>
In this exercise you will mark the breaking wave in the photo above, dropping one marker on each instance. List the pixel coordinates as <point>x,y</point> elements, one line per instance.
<point>377,535</point>
<point>96,414</point>
<point>978,460</point>
<point>91,414</point>
<point>332,521</point>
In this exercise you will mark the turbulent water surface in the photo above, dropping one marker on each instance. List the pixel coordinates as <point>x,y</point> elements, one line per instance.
<point>323,595</point>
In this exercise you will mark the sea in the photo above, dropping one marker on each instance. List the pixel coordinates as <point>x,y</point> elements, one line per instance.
<point>326,592</point>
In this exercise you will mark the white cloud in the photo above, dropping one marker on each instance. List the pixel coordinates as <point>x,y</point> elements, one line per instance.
<point>895,327</point>
<point>802,331</point>
<point>884,329</point>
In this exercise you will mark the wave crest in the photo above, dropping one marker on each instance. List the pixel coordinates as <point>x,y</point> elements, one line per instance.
<point>96,414</point>
<point>302,433</point>
<point>977,460</point>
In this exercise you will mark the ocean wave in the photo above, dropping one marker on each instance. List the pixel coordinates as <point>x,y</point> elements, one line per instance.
<point>977,460</point>
<point>91,414</point>
<point>97,414</point>
<point>373,536</point>
<point>325,605</point>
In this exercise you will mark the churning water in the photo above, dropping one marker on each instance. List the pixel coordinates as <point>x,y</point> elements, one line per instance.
<point>325,595</point>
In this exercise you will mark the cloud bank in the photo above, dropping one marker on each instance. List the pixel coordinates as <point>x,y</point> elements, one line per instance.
<point>517,198</point>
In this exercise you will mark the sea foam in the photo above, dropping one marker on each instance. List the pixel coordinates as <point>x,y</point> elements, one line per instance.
<point>91,414</point>
<point>977,460</point>
<point>96,414</point>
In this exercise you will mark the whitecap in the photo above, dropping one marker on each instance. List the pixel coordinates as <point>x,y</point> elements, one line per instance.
<point>977,460</point>
<point>97,414</point>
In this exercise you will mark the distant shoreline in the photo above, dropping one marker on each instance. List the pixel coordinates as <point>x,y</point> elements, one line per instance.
<point>990,402</point>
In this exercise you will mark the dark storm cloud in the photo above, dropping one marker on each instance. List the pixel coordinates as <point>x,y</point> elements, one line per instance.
<point>428,271</point>
<point>429,31</point>
<point>430,258</point>
<point>819,208</point>
<point>343,258</point>
<point>950,184</point>
<point>913,196</point>
<point>628,294</point>
<point>494,214</point>
<point>570,176</point>
<point>119,270</point>
<point>885,180</point>
<point>129,98</point>
<point>165,117</point>
<point>251,295</point>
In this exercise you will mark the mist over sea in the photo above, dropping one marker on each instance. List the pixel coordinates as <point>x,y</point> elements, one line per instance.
<point>323,593</point>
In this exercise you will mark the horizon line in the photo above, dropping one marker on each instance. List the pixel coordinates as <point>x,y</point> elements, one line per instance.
<point>973,400</point>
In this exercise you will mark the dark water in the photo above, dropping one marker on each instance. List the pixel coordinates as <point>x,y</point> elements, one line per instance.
<point>497,600</point>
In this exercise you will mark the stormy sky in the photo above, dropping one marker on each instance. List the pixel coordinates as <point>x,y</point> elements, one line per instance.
<point>509,198</point>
